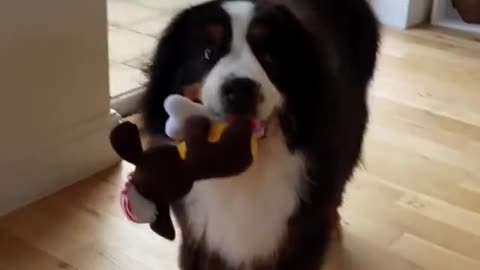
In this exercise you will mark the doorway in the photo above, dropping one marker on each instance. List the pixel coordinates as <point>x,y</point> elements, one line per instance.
<point>134,27</point>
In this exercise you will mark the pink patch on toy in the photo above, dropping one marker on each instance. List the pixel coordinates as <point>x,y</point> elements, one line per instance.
<point>125,205</point>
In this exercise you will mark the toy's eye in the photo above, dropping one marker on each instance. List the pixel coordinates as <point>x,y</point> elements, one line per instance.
<point>207,54</point>
<point>268,58</point>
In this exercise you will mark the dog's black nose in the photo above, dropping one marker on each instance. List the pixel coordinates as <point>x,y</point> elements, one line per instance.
<point>240,96</point>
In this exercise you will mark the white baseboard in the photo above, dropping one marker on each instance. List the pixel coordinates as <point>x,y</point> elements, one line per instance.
<point>41,174</point>
<point>402,14</point>
<point>128,103</point>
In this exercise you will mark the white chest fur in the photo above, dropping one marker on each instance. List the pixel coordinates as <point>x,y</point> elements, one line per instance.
<point>245,217</point>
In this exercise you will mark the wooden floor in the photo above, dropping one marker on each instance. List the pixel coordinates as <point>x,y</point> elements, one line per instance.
<point>414,204</point>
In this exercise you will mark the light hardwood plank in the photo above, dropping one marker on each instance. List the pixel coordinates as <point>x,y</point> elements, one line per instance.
<point>19,255</point>
<point>374,202</point>
<point>431,256</point>
<point>442,212</point>
<point>357,254</point>
<point>472,186</point>
<point>417,171</point>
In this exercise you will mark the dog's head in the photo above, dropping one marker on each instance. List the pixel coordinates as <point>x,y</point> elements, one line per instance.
<point>257,58</point>
<point>240,55</point>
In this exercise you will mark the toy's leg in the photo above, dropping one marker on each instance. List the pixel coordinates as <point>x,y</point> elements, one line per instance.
<point>163,224</point>
<point>135,207</point>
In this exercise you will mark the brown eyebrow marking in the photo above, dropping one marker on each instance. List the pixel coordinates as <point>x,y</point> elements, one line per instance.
<point>192,91</point>
<point>258,32</point>
<point>215,33</point>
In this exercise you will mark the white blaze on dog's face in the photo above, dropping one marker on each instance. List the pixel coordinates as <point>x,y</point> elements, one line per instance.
<point>238,83</point>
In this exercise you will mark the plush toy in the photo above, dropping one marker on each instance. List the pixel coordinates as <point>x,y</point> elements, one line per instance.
<point>166,173</point>
<point>180,108</point>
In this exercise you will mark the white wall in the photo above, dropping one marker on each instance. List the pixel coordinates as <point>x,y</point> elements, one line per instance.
<point>54,101</point>
<point>402,14</point>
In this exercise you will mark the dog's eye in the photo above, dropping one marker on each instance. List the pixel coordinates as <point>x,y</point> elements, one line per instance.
<point>207,54</point>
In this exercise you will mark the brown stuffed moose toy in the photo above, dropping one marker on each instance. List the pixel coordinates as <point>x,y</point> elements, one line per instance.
<point>164,174</point>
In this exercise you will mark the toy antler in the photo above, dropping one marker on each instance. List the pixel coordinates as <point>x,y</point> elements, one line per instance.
<point>125,139</point>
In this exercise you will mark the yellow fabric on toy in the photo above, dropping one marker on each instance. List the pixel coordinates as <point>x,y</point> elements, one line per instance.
<point>216,131</point>
<point>254,146</point>
<point>213,137</point>
<point>182,150</point>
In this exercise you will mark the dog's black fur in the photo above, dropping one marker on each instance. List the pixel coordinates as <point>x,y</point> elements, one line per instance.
<point>322,55</point>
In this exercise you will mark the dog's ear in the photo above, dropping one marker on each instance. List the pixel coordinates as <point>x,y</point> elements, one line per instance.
<point>161,72</point>
<point>125,140</point>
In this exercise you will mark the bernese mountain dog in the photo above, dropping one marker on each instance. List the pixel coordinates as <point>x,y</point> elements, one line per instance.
<point>302,69</point>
